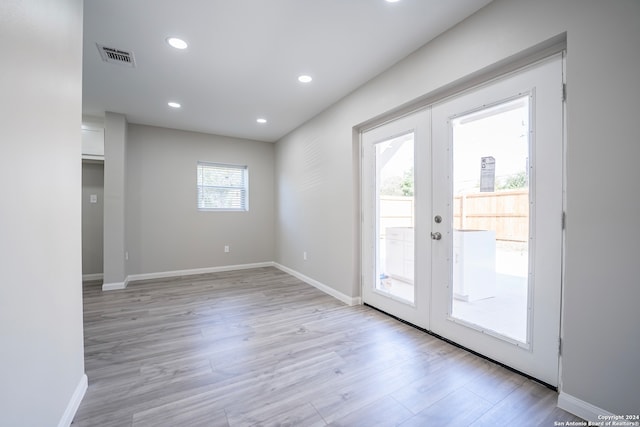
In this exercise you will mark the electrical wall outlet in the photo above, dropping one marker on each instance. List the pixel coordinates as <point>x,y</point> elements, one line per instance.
<point>304,255</point>
<point>226,248</point>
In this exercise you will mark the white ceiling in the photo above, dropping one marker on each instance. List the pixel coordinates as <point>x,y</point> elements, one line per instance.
<point>244,57</point>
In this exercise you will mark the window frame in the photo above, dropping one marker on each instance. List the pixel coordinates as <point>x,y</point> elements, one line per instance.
<point>244,189</point>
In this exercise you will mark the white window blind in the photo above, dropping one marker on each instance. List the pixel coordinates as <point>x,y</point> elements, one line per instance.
<point>222,187</point>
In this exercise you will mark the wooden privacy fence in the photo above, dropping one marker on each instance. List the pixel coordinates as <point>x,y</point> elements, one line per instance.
<point>396,211</point>
<point>505,212</point>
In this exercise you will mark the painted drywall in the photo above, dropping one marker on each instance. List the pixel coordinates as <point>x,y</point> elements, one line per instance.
<point>317,206</point>
<point>41,338</point>
<point>115,147</point>
<point>602,289</point>
<point>92,217</point>
<point>166,231</point>
<point>315,201</point>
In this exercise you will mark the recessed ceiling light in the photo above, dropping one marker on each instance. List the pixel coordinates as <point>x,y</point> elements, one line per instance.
<point>177,43</point>
<point>174,104</point>
<point>261,120</point>
<point>305,79</point>
<point>392,1</point>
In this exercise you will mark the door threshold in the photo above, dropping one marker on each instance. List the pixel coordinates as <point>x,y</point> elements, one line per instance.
<point>440,337</point>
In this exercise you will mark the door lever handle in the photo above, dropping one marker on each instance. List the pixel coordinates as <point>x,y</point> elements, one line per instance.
<point>436,236</point>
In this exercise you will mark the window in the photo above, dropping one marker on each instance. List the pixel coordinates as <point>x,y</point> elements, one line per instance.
<point>222,187</point>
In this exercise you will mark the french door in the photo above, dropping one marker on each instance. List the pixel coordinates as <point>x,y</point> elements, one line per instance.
<point>486,221</point>
<point>396,202</point>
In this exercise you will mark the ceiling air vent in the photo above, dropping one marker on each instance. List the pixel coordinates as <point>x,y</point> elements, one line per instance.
<point>116,56</point>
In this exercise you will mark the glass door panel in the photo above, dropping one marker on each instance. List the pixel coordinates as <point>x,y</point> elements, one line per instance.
<point>490,202</point>
<point>395,217</point>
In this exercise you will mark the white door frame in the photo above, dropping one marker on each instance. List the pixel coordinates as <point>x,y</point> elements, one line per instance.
<point>423,230</point>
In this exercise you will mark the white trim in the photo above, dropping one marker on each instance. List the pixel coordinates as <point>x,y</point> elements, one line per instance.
<point>321,286</point>
<point>114,286</point>
<point>177,273</point>
<point>96,158</point>
<point>94,276</point>
<point>74,402</point>
<point>580,408</point>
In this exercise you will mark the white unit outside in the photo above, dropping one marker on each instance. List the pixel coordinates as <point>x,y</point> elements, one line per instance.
<point>400,253</point>
<point>474,264</point>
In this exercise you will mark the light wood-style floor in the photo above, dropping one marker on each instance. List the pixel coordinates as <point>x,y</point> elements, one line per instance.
<point>260,348</point>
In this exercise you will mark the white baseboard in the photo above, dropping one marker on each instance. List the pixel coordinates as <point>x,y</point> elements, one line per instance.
<point>580,408</point>
<point>74,402</point>
<point>178,273</point>
<point>94,276</point>
<point>321,286</point>
<point>114,286</point>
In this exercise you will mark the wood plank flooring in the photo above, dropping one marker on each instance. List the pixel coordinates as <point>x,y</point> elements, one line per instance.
<point>260,348</point>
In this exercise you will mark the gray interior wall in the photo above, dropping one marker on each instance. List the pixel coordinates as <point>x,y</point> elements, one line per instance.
<point>115,181</point>
<point>41,343</point>
<point>166,230</point>
<point>316,164</point>
<point>315,204</point>
<point>602,288</point>
<point>92,213</point>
